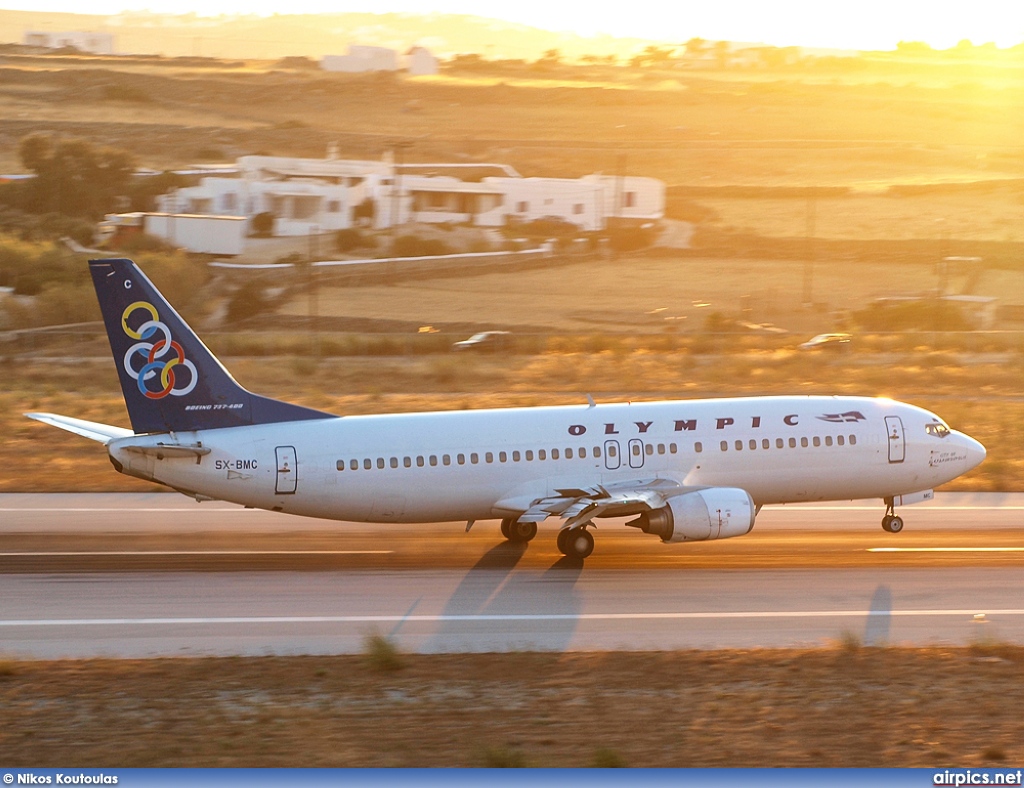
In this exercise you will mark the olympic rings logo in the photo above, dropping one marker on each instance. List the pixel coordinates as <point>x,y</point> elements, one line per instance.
<point>157,364</point>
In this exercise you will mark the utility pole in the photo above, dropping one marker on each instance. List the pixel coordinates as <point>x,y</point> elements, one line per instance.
<point>397,148</point>
<point>311,285</point>
<point>812,209</point>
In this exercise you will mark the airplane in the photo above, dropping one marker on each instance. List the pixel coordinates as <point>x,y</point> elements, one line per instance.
<point>685,470</point>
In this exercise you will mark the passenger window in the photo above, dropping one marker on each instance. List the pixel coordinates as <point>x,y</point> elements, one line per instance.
<point>803,442</point>
<point>380,463</point>
<point>568,454</point>
<point>649,449</point>
<point>353,465</point>
<point>367,463</point>
<point>460,459</point>
<point>792,443</point>
<point>672,448</point>
<point>753,444</point>
<point>407,462</point>
<point>698,447</point>
<point>341,465</point>
<point>840,440</point>
<point>766,444</point>
<point>583,452</point>
<point>394,462</point>
<point>502,456</point>
<point>853,440</point>
<point>739,445</point>
<point>529,455</point>
<point>489,457</point>
<point>433,461</point>
<point>828,440</point>
<point>597,452</point>
<point>554,454</point>
<point>636,449</point>
<point>725,445</point>
<point>779,443</point>
<point>447,459</point>
<point>419,461</point>
<point>661,448</point>
<point>613,450</point>
<point>474,458</point>
<point>817,441</point>
<point>541,454</point>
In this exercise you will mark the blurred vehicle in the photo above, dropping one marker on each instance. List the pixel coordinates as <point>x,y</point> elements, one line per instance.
<point>486,341</point>
<point>828,342</point>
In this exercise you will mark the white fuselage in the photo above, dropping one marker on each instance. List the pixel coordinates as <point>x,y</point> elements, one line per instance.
<point>468,465</point>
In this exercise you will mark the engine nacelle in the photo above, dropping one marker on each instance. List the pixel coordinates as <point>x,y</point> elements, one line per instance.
<point>715,513</point>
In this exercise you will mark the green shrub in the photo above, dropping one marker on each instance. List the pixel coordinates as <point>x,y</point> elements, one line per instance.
<point>415,246</point>
<point>502,758</point>
<point>248,301</point>
<point>348,239</point>
<point>263,224</point>
<point>381,654</point>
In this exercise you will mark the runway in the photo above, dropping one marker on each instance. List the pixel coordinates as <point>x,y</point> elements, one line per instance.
<point>159,575</point>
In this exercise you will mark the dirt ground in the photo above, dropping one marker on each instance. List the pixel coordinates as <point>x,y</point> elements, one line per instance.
<point>845,706</point>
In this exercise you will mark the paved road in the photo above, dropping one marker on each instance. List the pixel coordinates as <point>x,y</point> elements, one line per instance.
<point>150,575</point>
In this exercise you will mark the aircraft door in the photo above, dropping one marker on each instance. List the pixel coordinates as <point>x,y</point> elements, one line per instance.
<point>612,461</point>
<point>636,453</point>
<point>287,471</point>
<point>897,444</point>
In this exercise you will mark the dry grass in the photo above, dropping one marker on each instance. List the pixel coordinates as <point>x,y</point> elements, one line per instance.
<point>625,294</point>
<point>845,706</point>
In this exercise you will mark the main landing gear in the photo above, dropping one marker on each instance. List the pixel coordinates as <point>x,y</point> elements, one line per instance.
<point>576,542</point>
<point>891,522</point>
<point>516,531</point>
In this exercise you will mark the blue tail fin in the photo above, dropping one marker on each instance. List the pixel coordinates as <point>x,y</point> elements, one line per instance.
<point>170,379</point>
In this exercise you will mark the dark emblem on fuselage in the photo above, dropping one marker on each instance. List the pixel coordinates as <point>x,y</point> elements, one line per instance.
<point>843,418</point>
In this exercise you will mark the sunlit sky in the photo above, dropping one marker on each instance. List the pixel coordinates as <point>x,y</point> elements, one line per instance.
<point>864,24</point>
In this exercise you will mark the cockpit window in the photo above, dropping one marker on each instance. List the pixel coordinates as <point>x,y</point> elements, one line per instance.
<point>938,430</point>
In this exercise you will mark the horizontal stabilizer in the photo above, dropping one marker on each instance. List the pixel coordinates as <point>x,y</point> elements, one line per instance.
<point>102,433</point>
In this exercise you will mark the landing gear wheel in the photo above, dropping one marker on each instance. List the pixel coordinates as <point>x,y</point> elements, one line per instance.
<point>506,524</point>
<point>519,532</point>
<point>576,543</point>
<point>892,523</point>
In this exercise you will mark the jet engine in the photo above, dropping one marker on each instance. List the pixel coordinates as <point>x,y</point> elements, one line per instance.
<point>714,513</point>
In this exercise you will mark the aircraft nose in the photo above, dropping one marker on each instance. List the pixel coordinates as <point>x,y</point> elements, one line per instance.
<point>975,452</point>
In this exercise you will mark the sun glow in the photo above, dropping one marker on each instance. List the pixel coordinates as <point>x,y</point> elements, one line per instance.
<point>869,24</point>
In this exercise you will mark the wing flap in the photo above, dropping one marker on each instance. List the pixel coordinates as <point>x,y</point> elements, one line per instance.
<point>620,499</point>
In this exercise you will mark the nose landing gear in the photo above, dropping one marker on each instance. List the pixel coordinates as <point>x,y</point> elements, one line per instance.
<point>891,522</point>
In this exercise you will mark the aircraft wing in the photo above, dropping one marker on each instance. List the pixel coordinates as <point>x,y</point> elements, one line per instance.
<point>614,500</point>
<point>102,433</point>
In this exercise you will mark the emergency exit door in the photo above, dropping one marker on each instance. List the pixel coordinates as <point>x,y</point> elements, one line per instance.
<point>287,470</point>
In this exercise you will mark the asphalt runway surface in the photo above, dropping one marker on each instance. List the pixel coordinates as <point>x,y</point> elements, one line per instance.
<point>144,575</point>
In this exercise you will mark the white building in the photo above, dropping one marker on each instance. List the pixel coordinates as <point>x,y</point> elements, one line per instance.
<point>419,62</point>
<point>322,195</point>
<point>362,58</point>
<point>94,43</point>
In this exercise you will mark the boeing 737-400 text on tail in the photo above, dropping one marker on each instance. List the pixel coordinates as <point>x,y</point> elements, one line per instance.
<point>687,470</point>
